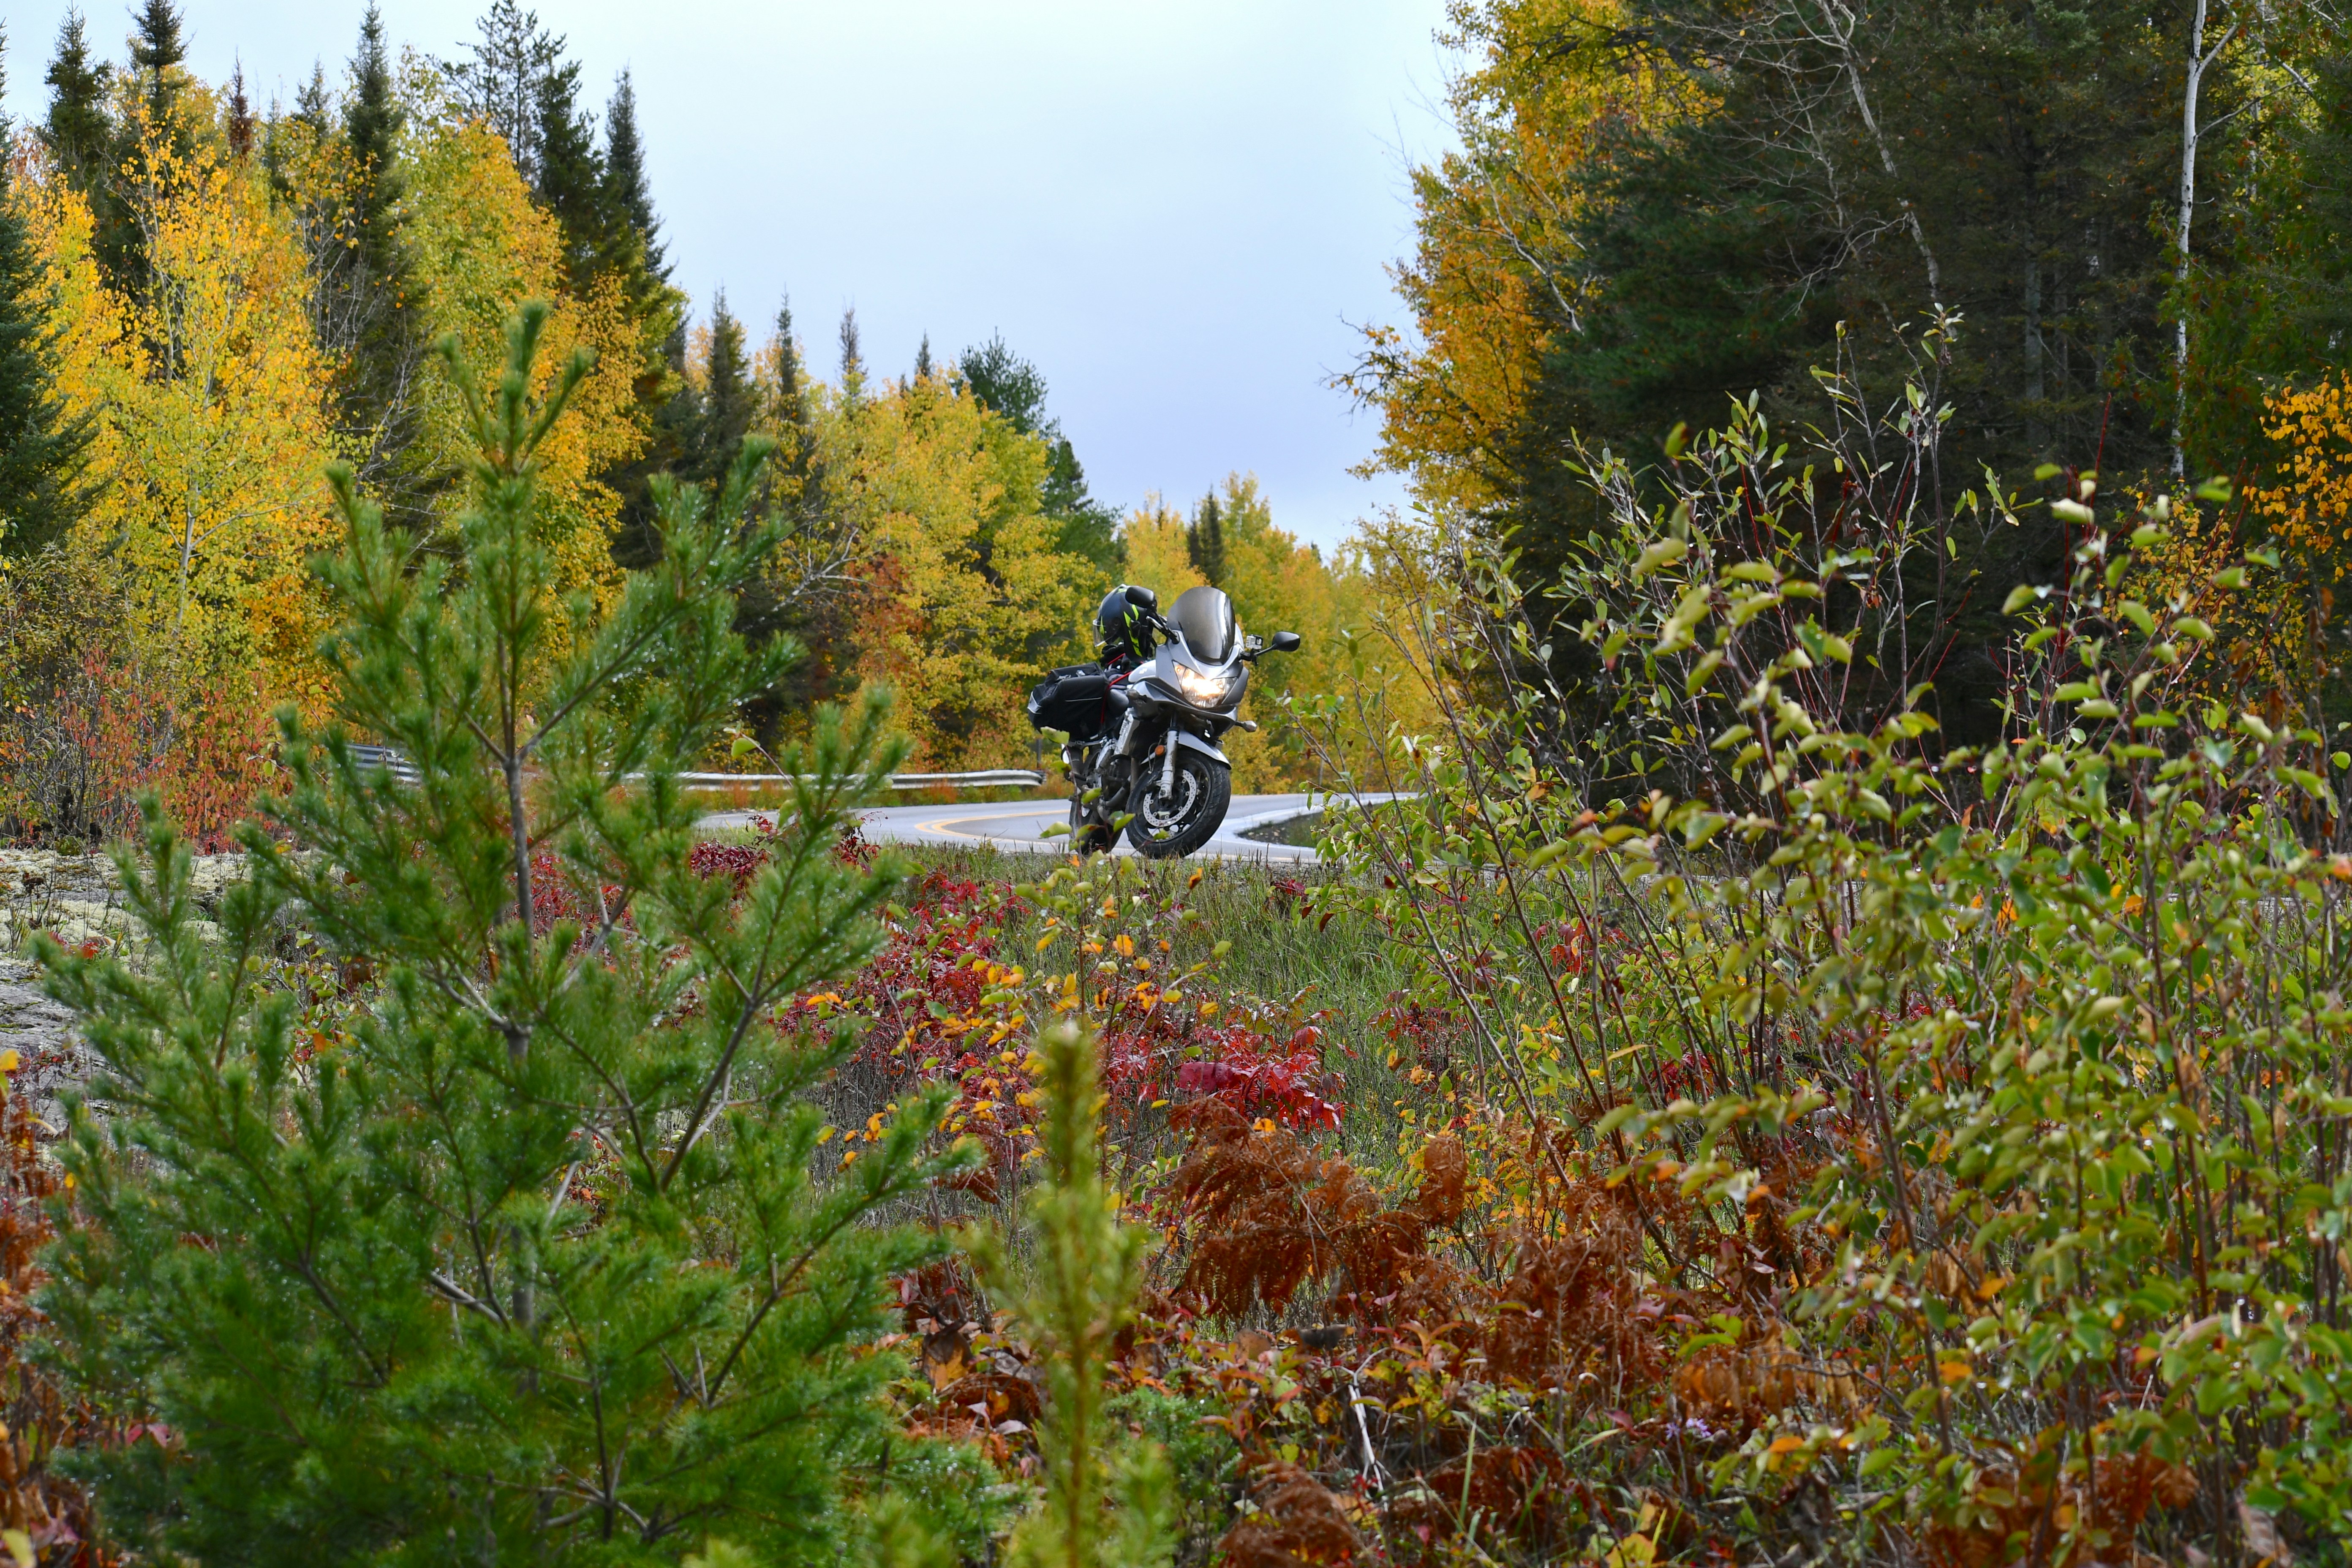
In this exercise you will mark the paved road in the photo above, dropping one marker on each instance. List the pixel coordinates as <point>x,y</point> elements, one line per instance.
<point>1020,824</point>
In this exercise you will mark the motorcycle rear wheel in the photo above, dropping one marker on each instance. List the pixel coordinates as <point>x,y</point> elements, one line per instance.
<point>1166,828</point>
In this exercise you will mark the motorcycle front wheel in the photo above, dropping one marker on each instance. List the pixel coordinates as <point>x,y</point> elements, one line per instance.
<point>1183,819</point>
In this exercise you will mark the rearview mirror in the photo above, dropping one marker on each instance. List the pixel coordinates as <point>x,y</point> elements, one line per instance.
<point>1283,642</point>
<point>1142,598</point>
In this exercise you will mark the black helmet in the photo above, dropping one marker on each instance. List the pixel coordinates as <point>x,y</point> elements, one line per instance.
<point>1120,630</point>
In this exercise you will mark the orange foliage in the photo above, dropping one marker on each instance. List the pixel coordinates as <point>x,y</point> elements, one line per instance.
<point>40,1418</point>
<point>1298,1520</point>
<point>1271,1216</point>
<point>2311,507</point>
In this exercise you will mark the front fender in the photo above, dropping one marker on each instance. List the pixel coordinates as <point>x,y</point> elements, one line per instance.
<point>1206,748</point>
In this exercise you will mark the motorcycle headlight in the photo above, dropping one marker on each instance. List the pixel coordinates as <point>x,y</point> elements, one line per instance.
<point>1205,689</point>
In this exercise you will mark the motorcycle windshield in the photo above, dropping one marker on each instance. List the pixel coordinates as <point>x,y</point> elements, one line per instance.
<point>1204,619</point>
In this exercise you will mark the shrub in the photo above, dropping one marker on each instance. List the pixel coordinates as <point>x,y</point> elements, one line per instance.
<point>1980,1109</point>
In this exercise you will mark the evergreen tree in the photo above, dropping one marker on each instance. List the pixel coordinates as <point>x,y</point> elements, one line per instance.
<point>500,86</point>
<point>41,450</point>
<point>241,120</point>
<point>158,50</point>
<point>567,176</point>
<point>1006,383</point>
<point>800,463</point>
<point>673,436</point>
<point>1204,540</point>
<point>853,358</point>
<point>729,397</point>
<point>533,1255</point>
<point>790,390</point>
<point>627,191</point>
<point>1109,1499</point>
<point>923,367</point>
<point>373,119</point>
<point>314,105</point>
<point>1089,528</point>
<point>370,281</point>
<point>78,133</point>
<point>616,221</point>
<point>89,146</point>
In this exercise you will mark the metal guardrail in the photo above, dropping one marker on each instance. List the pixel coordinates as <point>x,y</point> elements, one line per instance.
<point>389,760</point>
<point>401,768</point>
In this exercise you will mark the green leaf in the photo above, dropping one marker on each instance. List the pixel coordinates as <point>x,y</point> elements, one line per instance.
<point>1661,554</point>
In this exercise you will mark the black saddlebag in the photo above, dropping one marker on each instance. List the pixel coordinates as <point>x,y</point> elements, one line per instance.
<point>1075,701</point>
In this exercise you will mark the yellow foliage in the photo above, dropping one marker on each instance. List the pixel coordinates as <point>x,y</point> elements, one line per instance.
<point>1528,112</point>
<point>2263,642</point>
<point>479,247</point>
<point>212,427</point>
<point>2310,510</point>
<point>1157,555</point>
<point>967,602</point>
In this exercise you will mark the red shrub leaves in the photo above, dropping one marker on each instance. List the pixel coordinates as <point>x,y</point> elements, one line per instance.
<point>1298,1519</point>
<point>1269,1215</point>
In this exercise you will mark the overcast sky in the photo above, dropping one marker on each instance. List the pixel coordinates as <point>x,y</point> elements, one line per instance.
<point>1176,209</point>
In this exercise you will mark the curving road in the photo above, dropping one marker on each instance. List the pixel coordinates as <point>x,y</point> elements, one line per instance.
<point>1020,824</point>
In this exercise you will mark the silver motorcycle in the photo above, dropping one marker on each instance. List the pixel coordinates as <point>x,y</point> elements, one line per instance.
<point>1143,741</point>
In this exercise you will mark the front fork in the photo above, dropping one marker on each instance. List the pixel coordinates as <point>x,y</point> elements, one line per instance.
<point>1132,733</point>
<point>1132,742</point>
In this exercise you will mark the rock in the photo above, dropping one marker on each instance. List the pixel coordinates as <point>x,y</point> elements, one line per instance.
<point>50,1054</point>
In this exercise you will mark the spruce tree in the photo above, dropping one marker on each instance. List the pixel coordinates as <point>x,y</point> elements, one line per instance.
<point>369,282</point>
<point>241,120</point>
<point>158,50</point>
<point>1204,540</point>
<point>567,176</point>
<point>627,193</point>
<point>923,366</point>
<point>78,133</point>
<point>523,1255</point>
<point>790,390</point>
<point>853,357</point>
<point>41,450</point>
<point>1089,528</point>
<point>800,477</point>
<point>314,105</point>
<point>371,124</point>
<point>672,435</point>
<point>729,398</point>
<point>629,250</point>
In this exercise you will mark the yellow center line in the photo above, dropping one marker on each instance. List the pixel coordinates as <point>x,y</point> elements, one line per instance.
<point>948,824</point>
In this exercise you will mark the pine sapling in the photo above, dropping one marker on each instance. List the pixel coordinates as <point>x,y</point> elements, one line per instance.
<point>1108,1504</point>
<point>518,1255</point>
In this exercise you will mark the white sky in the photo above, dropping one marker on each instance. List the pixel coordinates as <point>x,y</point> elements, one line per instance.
<point>1176,209</point>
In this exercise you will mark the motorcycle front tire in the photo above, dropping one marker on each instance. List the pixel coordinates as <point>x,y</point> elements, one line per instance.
<point>1213,783</point>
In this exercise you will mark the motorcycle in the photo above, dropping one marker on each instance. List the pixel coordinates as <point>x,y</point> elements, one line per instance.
<point>1143,739</point>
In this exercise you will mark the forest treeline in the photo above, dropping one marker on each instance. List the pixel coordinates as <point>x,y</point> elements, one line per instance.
<point>204,300</point>
<point>2097,236</point>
